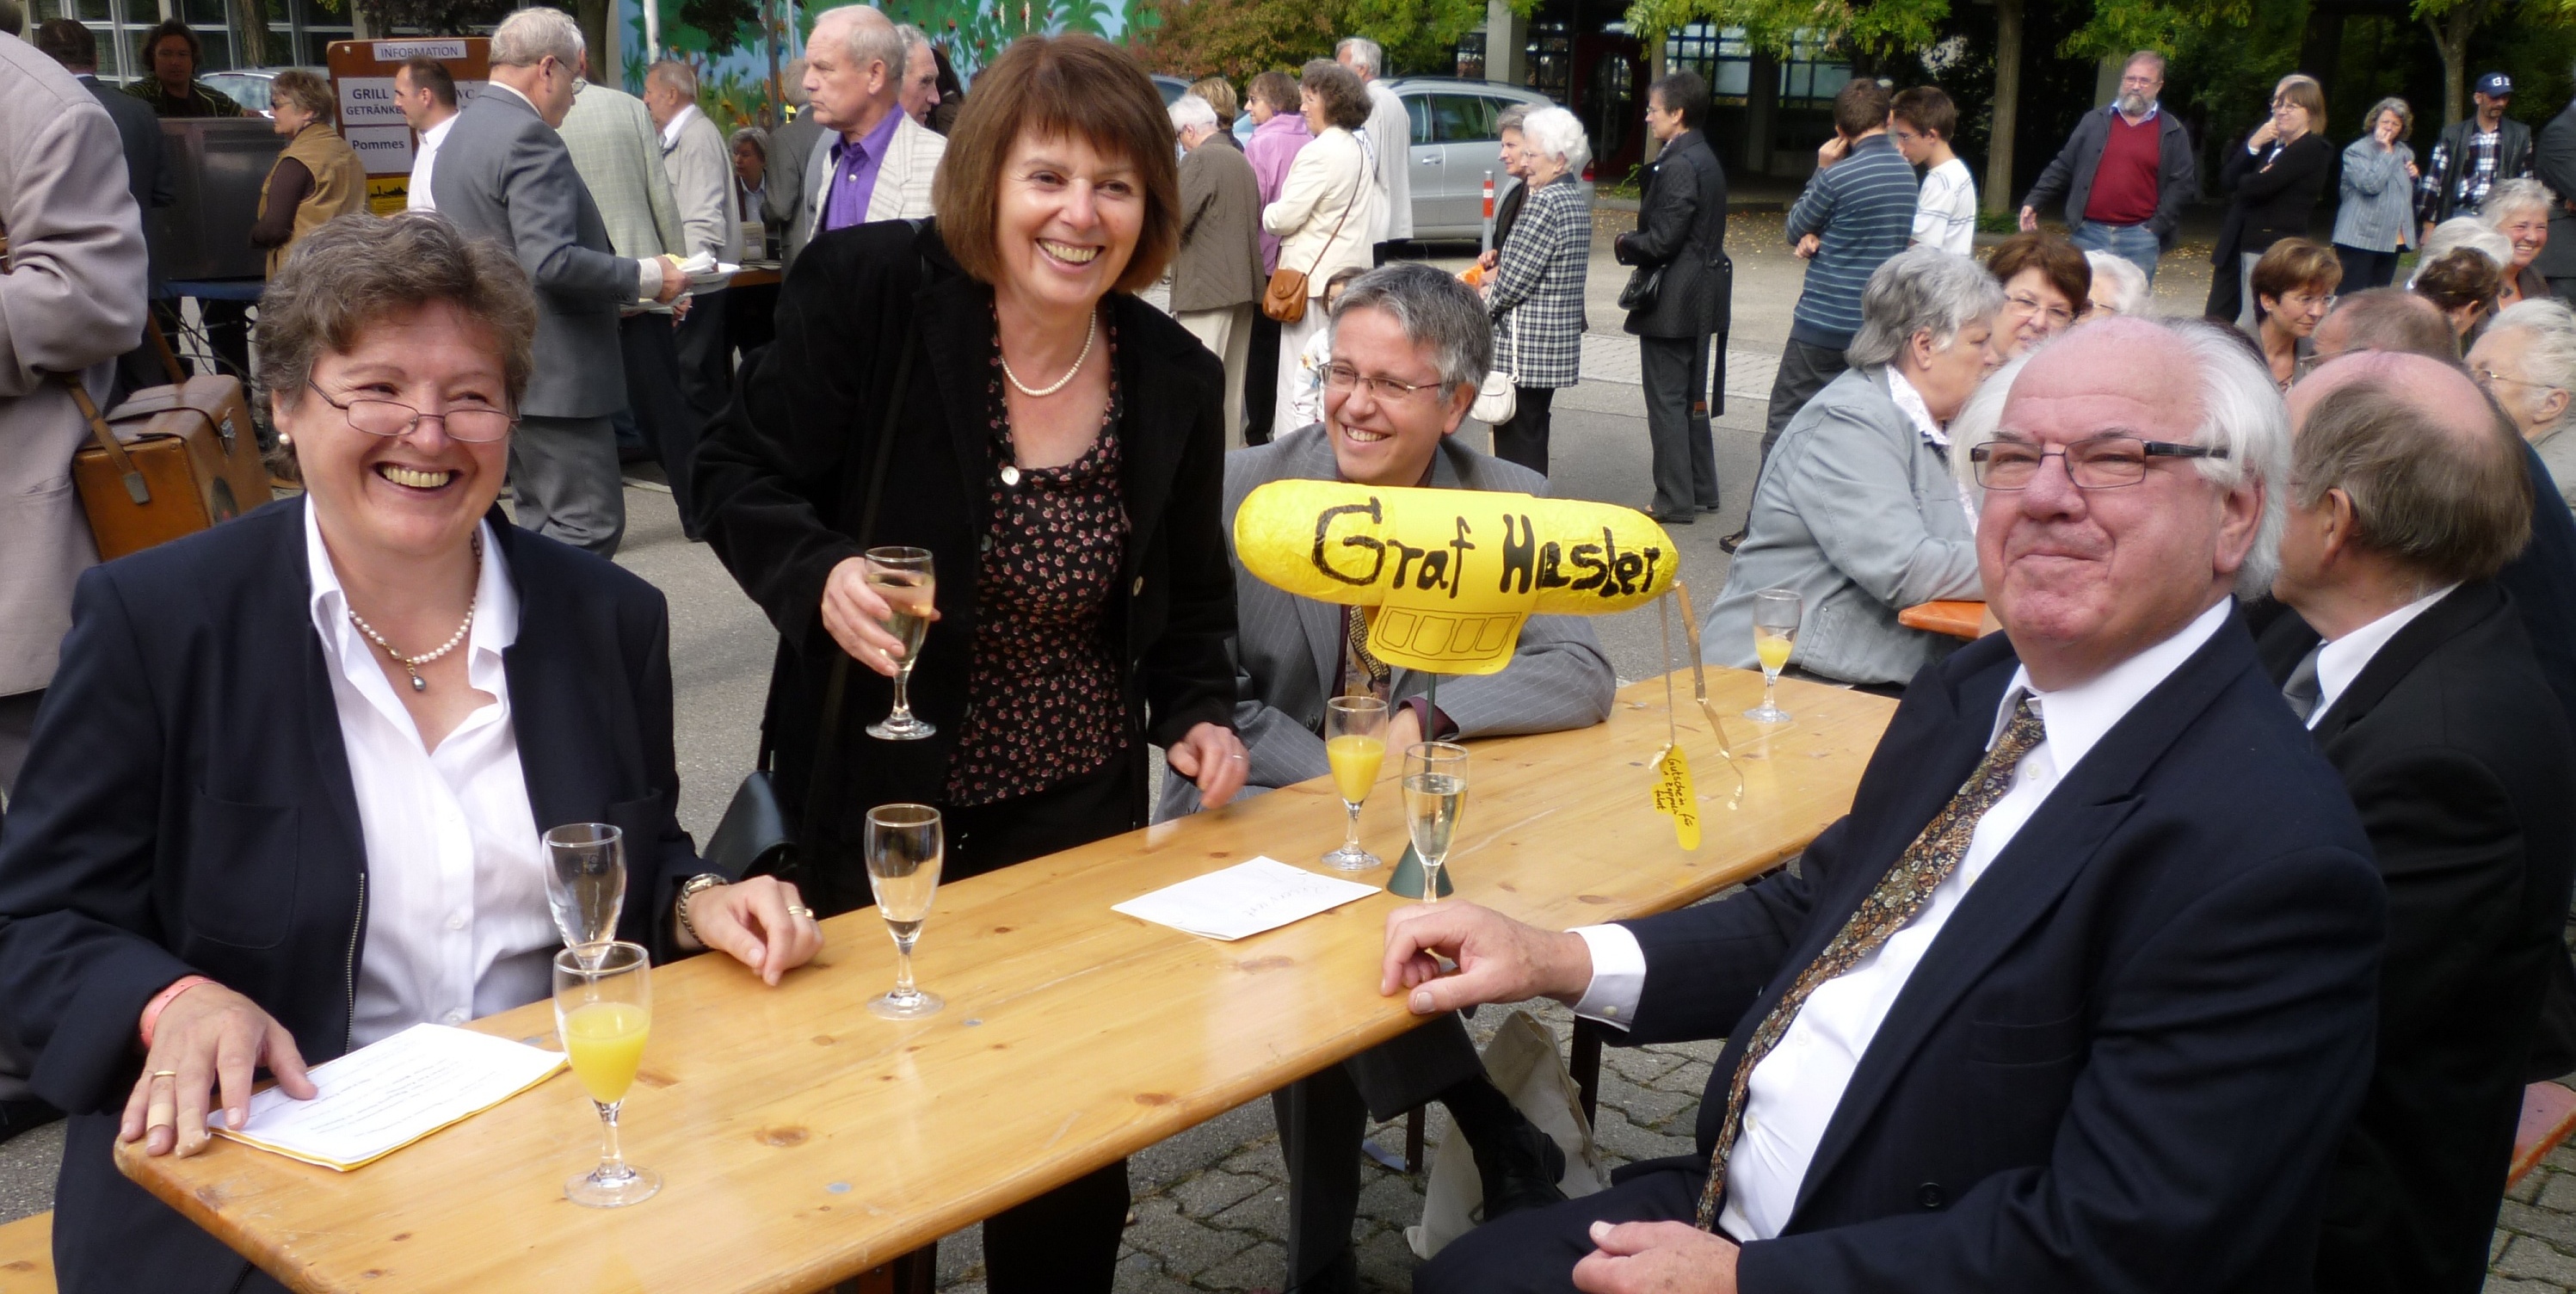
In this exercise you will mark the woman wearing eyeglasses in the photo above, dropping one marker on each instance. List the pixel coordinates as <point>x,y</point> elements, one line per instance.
<point>2276,175</point>
<point>2048,285</point>
<point>2294,285</point>
<point>2526,359</point>
<point>1857,511</point>
<point>285,794</point>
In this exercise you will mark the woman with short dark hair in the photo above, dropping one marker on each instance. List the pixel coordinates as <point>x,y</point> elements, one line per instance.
<point>2294,286</point>
<point>2047,283</point>
<point>988,387</point>
<point>316,179</point>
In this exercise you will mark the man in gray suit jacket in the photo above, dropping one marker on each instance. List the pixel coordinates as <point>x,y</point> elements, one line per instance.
<point>700,168</point>
<point>1292,653</point>
<point>147,169</point>
<point>503,174</point>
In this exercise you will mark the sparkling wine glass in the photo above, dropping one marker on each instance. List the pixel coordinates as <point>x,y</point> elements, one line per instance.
<point>1775,632</point>
<point>586,882</point>
<point>1355,745</point>
<point>904,847</point>
<point>603,1012</point>
<point>903,577</point>
<point>1435,794</point>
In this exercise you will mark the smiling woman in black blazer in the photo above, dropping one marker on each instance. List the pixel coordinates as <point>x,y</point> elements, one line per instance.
<point>2277,177</point>
<point>268,816</point>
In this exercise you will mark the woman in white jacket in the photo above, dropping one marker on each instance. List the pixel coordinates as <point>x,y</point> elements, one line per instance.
<point>1325,209</point>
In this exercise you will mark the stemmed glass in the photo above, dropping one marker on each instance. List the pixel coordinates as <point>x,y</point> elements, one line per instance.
<point>603,1012</point>
<point>1775,631</point>
<point>904,848</point>
<point>1435,794</point>
<point>903,577</point>
<point>1355,744</point>
<point>586,882</point>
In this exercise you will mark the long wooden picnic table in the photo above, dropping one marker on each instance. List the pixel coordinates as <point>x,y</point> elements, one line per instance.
<point>802,1141</point>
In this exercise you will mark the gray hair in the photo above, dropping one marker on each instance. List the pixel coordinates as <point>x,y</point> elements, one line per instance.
<point>1363,51</point>
<point>2128,282</point>
<point>1554,132</point>
<point>675,76</point>
<point>2514,195</point>
<point>2439,501</point>
<point>870,37</point>
<point>358,271</point>
<point>757,137</point>
<point>1191,112</point>
<point>791,81</point>
<point>913,38</point>
<point>2469,232</point>
<point>531,36</point>
<point>1513,117</point>
<point>1921,288</point>
<point>2550,357</point>
<point>2145,56</point>
<point>1435,310</point>
<point>2240,411</point>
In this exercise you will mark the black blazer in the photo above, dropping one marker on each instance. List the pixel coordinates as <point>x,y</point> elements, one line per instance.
<point>2455,753</point>
<point>2553,160</point>
<point>1681,225</point>
<point>187,809</point>
<point>2275,194</point>
<point>782,482</point>
<point>2128,1058</point>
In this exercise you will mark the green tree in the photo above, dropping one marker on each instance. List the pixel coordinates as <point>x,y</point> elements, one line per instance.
<point>1239,38</point>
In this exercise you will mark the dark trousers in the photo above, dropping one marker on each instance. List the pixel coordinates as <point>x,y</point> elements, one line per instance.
<point>1535,1252</point>
<point>2365,270</point>
<point>565,477</point>
<point>654,398</point>
<point>1261,379</point>
<point>1675,370</point>
<point>751,317</point>
<point>706,355</point>
<point>1323,1117</point>
<point>1804,370</point>
<point>1522,438</point>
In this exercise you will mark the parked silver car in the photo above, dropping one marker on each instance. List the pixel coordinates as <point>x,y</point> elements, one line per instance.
<point>249,86</point>
<point>1454,144</point>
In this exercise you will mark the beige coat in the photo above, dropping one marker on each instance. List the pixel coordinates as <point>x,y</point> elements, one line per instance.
<point>71,300</point>
<point>1331,173</point>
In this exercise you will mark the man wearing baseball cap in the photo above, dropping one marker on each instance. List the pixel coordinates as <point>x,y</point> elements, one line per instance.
<point>2472,155</point>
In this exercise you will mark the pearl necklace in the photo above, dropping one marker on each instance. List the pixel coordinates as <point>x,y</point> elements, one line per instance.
<point>411,664</point>
<point>1088,337</point>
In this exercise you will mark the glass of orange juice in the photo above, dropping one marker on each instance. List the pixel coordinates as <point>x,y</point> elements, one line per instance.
<point>603,1012</point>
<point>1355,744</point>
<point>1775,633</point>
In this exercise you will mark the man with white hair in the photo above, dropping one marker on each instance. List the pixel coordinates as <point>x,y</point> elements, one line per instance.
<point>700,168</point>
<point>504,174</point>
<point>872,161</point>
<point>2119,286</point>
<point>2125,1057</point>
<point>1389,137</point>
<point>1216,275</point>
<point>920,91</point>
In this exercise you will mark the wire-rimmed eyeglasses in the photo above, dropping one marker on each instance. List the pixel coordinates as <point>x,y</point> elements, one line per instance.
<point>389,418</point>
<point>2100,463</point>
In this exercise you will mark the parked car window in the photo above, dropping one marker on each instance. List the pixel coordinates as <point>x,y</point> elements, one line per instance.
<point>1462,119</point>
<point>1417,112</point>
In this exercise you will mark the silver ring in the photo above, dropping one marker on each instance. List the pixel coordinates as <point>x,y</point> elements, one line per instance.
<point>1234,757</point>
<point>799,910</point>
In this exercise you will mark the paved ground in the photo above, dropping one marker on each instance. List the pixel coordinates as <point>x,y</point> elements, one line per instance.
<point>1209,1205</point>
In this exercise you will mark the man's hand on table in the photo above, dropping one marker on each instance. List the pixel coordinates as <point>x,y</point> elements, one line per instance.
<point>1499,959</point>
<point>207,1036</point>
<point>1656,1258</point>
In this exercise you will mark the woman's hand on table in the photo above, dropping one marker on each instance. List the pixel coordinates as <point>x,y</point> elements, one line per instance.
<point>1212,756</point>
<point>760,922</point>
<point>855,615</point>
<point>206,1038</point>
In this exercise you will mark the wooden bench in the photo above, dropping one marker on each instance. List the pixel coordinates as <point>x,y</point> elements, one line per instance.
<point>1957,619</point>
<point>27,1256</point>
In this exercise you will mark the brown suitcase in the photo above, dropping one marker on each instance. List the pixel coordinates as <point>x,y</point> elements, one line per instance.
<point>171,461</point>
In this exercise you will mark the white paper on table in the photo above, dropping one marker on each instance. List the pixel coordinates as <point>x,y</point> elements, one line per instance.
<point>385,1096</point>
<point>1244,899</point>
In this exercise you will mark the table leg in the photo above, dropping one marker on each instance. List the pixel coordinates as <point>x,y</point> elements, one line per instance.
<point>1586,1066</point>
<point>1413,1140</point>
<point>914,1273</point>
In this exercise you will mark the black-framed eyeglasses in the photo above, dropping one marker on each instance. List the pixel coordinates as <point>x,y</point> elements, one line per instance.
<point>2100,463</point>
<point>1343,377</point>
<point>390,419</point>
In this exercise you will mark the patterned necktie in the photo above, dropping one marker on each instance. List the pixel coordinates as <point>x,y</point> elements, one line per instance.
<point>1900,894</point>
<point>1364,674</point>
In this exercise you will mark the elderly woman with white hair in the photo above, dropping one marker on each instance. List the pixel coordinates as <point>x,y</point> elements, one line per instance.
<point>1536,294</point>
<point>2119,286</point>
<point>1857,511</point>
<point>2527,361</point>
<point>2519,210</point>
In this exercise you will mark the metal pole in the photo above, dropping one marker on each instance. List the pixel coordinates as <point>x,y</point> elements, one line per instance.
<point>1488,237</point>
<point>652,32</point>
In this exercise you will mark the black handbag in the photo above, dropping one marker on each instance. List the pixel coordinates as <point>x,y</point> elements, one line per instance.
<point>1645,284</point>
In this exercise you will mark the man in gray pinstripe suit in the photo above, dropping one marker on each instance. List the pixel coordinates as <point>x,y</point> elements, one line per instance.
<point>1410,345</point>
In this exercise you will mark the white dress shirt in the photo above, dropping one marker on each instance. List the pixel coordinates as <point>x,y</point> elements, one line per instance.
<point>457,922</point>
<point>1795,1089</point>
<point>2341,661</point>
<point>417,196</point>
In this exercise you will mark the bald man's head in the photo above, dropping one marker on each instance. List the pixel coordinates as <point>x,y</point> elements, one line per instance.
<point>2442,391</point>
<point>2386,319</point>
<point>2433,469</point>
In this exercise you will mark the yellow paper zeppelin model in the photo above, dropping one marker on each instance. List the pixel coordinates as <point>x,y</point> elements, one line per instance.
<point>1452,574</point>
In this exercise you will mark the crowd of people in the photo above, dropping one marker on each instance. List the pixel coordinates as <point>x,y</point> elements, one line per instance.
<point>2261,779</point>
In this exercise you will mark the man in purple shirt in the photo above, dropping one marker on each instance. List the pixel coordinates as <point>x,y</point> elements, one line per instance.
<point>873,161</point>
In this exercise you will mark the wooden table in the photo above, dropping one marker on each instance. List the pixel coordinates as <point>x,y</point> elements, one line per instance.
<point>802,1140</point>
<point>1957,619</point>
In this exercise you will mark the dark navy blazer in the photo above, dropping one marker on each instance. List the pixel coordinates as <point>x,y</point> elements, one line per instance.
<point>2126,1062</point>
<point>187,809</point>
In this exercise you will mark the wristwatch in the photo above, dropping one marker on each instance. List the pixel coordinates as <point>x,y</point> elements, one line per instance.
<point>690,889</point>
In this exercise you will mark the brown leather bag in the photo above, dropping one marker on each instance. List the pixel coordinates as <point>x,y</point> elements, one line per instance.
<point>1284,299</point>
<point>169,462</point>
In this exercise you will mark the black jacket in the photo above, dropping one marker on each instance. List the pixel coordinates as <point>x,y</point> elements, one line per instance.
<point>2126,1061</point>
<point>782,480</point>
<point>1681,225</point>
<point>2553,160</point>
<point>2454,751</point>
<point>2070,173</point>
<point>2275,193</point>
<point>2513,157</point>
<point>187,809</point>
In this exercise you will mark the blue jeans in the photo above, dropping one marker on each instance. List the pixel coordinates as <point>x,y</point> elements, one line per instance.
<point>2135,244</point>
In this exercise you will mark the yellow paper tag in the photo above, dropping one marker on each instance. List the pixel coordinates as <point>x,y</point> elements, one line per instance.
<point>1675,795</point>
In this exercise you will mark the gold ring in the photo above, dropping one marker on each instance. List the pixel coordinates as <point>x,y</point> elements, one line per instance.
<point>156,1127</point>
<point>798,910</point>
<point>165,1073</point>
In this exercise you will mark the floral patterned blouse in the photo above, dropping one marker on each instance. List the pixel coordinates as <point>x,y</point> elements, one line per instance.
<point>1043,699</point>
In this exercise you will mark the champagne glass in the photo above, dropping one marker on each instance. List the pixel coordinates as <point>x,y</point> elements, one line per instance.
<point>902,576</point>
<point>586,882</point>
<point>1355,744</point>
<point>1775,631</point>
<point>1435,794</point>
<point>603,1011</point>
<point>904,848</point>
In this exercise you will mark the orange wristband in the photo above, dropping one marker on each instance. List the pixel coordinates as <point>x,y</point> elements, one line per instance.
<point>152,1009</point>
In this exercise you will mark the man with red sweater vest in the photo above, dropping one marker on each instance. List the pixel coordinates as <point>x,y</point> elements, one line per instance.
<point>2125,174</point>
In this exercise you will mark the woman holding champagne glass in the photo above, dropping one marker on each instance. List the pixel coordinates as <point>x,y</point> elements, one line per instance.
<point>285,794</point>
<point>1055,445</point>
